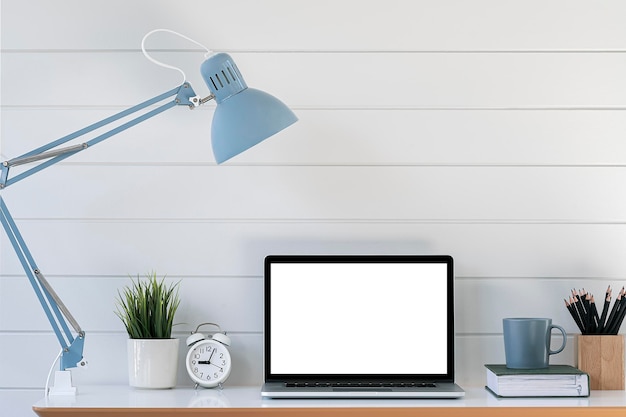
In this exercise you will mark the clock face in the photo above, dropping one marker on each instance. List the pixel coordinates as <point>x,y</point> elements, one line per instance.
<point>208,363</point>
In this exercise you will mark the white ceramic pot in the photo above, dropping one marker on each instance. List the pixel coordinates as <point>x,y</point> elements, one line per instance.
<point>152,363</point>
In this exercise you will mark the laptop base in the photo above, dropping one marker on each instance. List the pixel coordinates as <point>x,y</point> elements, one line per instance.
<point>441,390</point>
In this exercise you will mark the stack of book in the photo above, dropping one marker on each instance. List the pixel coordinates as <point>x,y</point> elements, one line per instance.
<point>554,381</point>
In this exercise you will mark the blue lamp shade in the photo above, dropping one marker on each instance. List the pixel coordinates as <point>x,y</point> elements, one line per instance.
<point>244,116</point>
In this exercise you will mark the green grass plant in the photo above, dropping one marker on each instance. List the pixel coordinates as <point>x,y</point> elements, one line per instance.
<point>147,307</point>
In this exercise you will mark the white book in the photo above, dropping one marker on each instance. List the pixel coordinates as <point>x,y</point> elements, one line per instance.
<point>554,381</point>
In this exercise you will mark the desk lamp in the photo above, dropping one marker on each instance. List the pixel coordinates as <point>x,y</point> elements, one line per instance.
<point>243,117</point>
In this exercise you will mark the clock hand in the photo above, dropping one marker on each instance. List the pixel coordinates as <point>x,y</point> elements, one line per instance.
<point>217,366</point>
<point>207,362</point>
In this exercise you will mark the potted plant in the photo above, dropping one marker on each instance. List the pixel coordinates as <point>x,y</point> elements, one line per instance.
<point>147,307</point>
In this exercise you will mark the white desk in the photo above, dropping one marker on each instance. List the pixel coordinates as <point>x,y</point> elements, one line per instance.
<point>100,401</point>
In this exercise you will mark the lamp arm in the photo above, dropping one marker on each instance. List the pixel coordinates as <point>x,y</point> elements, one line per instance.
<point>57,313</point>
<point>184,95</point>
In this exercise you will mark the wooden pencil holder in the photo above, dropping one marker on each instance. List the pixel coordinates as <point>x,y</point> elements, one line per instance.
<point>602,357</point>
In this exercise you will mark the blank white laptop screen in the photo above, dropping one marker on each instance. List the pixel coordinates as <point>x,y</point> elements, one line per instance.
<point>359,318</point>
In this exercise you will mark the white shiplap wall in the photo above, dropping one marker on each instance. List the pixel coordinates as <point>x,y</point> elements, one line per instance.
<point>489,130</point>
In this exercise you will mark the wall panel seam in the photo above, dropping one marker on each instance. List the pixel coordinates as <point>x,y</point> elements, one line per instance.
<point>546,222</point>
<point>312,51</point>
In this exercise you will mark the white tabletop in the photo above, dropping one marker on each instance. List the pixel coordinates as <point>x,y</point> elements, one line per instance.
<point>250,397</point>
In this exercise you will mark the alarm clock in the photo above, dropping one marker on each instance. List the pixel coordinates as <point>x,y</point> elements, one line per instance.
<point>208,361</point>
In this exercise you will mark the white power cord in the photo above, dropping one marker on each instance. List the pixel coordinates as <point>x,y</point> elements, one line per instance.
<point>47,392</point>
<point>162,64</point>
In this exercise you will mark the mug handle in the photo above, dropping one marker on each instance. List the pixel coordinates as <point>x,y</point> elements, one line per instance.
<point>554,326</point>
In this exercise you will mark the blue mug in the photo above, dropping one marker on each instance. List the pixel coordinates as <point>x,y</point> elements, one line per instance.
<point>527,342</point>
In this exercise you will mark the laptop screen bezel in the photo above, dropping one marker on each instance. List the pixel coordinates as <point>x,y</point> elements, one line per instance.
<point>448,376</point>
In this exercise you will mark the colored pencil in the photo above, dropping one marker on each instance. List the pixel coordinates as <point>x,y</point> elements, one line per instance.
<point>584,311</point>
<point>611,321</point>
<point>575,315</point>
<point>605,309</point>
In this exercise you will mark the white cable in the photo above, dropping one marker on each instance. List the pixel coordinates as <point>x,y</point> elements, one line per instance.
<point>47,392</point>
<point>162,64</point>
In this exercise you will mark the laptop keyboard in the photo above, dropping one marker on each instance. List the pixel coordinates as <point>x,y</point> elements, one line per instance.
<point>361,384</point>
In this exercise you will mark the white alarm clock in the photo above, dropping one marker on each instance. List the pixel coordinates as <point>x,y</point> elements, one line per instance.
<point>208,360</point>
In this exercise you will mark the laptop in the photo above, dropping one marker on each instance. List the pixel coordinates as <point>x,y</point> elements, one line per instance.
<point>359,326</point>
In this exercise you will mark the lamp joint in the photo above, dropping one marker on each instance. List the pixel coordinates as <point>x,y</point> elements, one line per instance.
<point>195,102</point>
<point>198,101</point>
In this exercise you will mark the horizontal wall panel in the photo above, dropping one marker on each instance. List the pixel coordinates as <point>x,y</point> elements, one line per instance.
<point>106,354</point>
<point>480,303</point>
<point>322,193</point>
<point>338,80</point>
<point>203,299</point>
<point>499,250</point>
<point>348,137</point>
<point>323,24</point>
<point>19,403</point>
